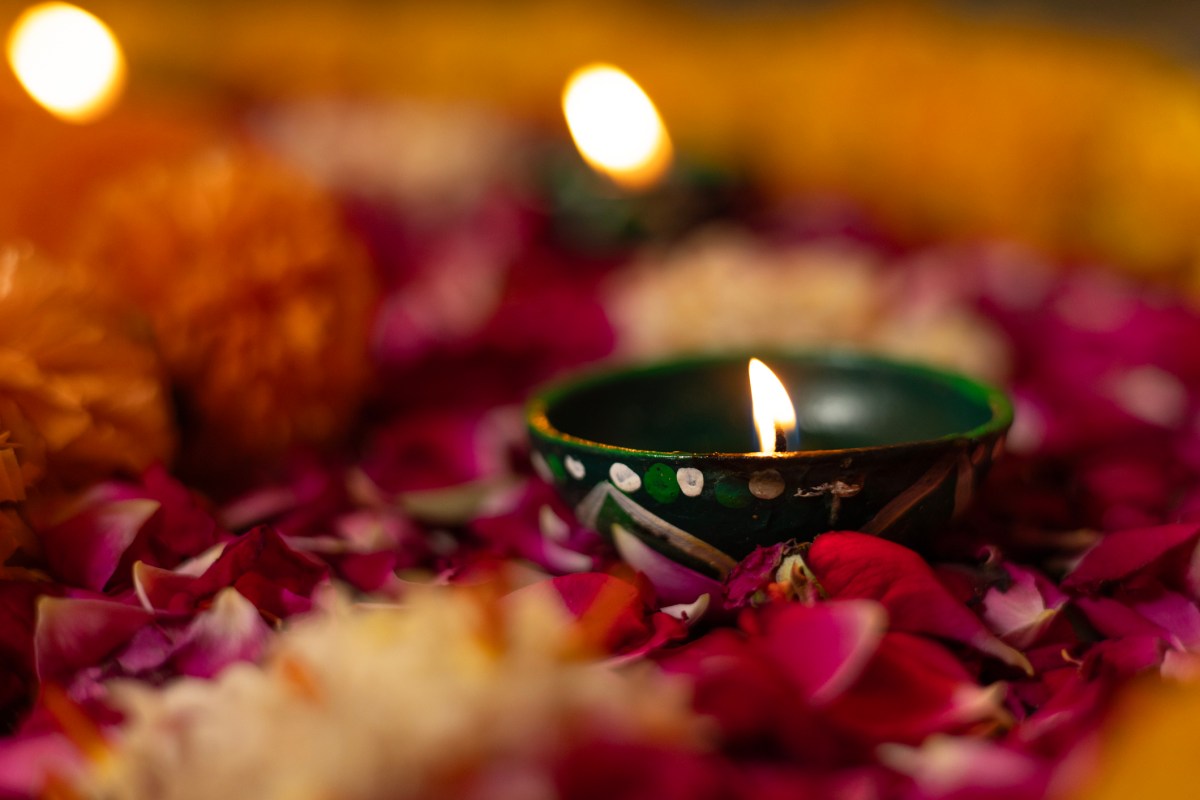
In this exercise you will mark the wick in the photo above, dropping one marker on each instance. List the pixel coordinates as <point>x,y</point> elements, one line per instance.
<point>780,440</point>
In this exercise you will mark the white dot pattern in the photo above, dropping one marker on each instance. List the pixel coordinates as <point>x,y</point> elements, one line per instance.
<point>691,481</point>
<point>624,478</point>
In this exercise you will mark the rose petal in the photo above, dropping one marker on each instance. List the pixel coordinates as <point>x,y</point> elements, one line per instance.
<point>689,612</point>
<point>73,634</point>
<point>1023,610</point>
<point>429,451</point>
<point>603,770</point>
<point>858,566</point>
<point>753,574</point>
<point>273,576</point>
<point>1124,657</point>
<point>85,549</point>
<point>672,582</point>
<point>259,564</point>
<point>912,688</point>
<point>953,766</point>
<point>1175,614</point>
<point>148,649</point>
<point>752,698</point>
<point>1182,667</point>
<point>28,762</point>
<point>1121,553</point>
<point>1115,619</point>
<point>1069,708</point>
<point>367,572</point>
<point>18,615</point>
<point>824,648</point>
<point>230,630</point>
<point>613,615</point>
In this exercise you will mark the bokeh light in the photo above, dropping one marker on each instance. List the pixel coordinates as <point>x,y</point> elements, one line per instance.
<point>68,60</point>
<point>616,127</point>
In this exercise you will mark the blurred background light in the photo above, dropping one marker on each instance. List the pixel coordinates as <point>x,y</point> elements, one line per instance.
<point>616,127</point>
<point>68,60</point>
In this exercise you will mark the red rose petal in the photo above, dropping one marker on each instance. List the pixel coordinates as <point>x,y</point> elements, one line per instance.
<point>824,648</point>
<point>85,549</point>
<point>1121,553</point>
<point>912,688</point>
<point>855,565</point>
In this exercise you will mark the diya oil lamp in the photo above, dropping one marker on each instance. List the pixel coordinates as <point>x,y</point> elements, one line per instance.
<point>624,181</point>
<point>668,453</point>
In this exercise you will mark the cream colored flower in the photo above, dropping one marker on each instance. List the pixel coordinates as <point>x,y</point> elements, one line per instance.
<point>424,700</point>
<point>432,160</point>
<point>724,290</point>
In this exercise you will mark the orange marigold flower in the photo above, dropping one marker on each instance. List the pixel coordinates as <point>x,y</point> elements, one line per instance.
<point>82,392</point>
<point>259,297</point>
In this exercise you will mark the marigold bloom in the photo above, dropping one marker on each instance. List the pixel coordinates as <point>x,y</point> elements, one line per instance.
<point>82,392</point>
<point>258,295</point>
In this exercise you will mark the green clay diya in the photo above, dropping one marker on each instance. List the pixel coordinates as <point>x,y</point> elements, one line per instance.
<point>667,453</point>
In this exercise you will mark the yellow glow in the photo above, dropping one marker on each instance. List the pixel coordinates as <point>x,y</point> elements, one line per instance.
<point>773,409</point>
<point>616,127</point>
<point>67,60</point>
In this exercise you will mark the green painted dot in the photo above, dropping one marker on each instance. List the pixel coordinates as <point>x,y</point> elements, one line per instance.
<point>556,466</point>
<point>661,484</point>
<point>732,492</point>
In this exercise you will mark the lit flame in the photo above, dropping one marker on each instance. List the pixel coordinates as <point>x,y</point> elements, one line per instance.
<point>68,61</point>
<point>774,414</point>
<point>616,127</point>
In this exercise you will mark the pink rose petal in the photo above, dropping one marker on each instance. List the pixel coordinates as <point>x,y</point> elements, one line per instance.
<point>1180,666</point>
<point>672,582</point>
<point>230,630</point>
<point>1175,614</point>
<point>1025,609</point>
<point>149,649</point>
<point>540,529</point>
<point>958,766</point>
<point>27,762</point>
<point>824,648</point>
<point>753,574</point>
<point>73,634</point>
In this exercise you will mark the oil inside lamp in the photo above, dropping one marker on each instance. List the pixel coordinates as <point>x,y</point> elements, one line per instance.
<point>68,60</point>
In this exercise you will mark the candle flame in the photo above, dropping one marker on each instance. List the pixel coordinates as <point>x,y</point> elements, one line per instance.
<point>616,127</point>
<point>68,60</point>
<point>773,409</point>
